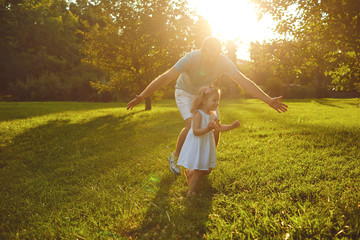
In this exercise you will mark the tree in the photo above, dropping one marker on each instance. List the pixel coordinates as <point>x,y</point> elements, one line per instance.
<point>37,36</point>
<point>200,31</point>
<point>141,39</point>
<point>228,87</point>
<point>329,34</point>
<point>40,52</point>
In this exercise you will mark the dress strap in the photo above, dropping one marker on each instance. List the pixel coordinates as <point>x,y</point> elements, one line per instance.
<point>201,111</point>
<point>203,114</point>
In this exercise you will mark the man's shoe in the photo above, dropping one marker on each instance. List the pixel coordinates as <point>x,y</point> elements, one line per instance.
<point>173,167</point>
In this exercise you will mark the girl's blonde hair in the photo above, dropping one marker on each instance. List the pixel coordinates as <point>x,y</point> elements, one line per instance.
<point>204,94</point>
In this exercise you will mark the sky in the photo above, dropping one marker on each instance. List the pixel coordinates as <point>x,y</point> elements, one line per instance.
<point>235,20</point>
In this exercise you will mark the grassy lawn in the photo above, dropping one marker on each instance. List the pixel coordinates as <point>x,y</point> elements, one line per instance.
<point>97,171</point>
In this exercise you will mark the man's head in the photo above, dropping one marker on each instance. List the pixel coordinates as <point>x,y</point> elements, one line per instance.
<point>210,49</point>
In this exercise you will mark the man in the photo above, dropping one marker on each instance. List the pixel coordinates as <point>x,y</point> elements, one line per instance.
<point>195,70</point>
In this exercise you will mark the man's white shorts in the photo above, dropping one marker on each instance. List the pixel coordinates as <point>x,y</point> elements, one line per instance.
<point>184,102</point>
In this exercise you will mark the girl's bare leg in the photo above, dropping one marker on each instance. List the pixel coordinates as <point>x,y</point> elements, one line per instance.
<point>195,178</point>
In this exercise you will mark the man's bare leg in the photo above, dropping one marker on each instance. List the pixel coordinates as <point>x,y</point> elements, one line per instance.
<point>217,137</point>
<point>182,136</point>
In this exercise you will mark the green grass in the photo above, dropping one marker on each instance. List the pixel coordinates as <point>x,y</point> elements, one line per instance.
<point>97,171</point>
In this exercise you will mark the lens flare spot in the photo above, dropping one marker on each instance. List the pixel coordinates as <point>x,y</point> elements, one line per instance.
<point>150,183</point>
<point>153,177</point>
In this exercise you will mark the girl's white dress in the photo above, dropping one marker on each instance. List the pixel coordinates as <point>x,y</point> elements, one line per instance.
<point>199,152</point>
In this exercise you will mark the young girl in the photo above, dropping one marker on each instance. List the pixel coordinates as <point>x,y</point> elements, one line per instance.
<point>198,153</point>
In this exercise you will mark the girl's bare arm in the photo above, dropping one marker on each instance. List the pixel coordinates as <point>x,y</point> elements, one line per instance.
<point>225,128</point>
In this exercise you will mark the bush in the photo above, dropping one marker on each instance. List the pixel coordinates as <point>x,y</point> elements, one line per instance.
<point>299,91</point>
<point>73,86</point>
<point>46,87</point>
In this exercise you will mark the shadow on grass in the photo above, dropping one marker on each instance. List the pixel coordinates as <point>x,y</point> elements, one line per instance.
<point>326,102</point>
<point>171,215</point>
<point>60,140</point>
<point>314,161</point>
<point>60,165</point>
<point>21,110</point>
<point>317,135</point>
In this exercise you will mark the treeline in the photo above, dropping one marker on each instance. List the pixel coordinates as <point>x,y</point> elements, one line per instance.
<point>97,50</point>
<point>319,52</point>
<point>90,50</point>
<point>41,52</point>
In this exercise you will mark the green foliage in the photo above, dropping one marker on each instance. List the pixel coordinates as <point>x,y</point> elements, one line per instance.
<point>289,68</point>
<point>96,171</point>
<point>39,37</point>
<point>41,52</point>
<point>46,87</point>
<point>322,37</point>
<point>230,89</point>
<point>44,42</point>
<point>50,86</point>
<point>141,40</point>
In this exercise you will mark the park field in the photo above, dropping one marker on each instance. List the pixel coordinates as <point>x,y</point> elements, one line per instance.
<point>71,170</point>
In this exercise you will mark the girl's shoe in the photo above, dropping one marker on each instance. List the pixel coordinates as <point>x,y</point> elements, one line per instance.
<point>173,167</point>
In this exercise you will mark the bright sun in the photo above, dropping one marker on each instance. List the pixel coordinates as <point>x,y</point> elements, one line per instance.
<point>235,20</point>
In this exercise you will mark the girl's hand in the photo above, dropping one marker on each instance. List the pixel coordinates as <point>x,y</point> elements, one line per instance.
<point>218,126</point>
<point>211,125</point>
<point>236,124</point>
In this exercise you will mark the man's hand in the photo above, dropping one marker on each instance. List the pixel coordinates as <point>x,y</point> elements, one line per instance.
<point>134,102</point>
<point>277,105</point>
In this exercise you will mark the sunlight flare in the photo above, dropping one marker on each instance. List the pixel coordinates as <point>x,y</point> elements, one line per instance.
<point>235,20</point>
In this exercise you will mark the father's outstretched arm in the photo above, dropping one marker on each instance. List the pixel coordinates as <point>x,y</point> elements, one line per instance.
<point>161,81</point>
<point>251,88</point>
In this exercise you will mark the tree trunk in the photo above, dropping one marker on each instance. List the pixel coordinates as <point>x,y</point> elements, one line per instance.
<point>320,91</point>
<point>147,104</point>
